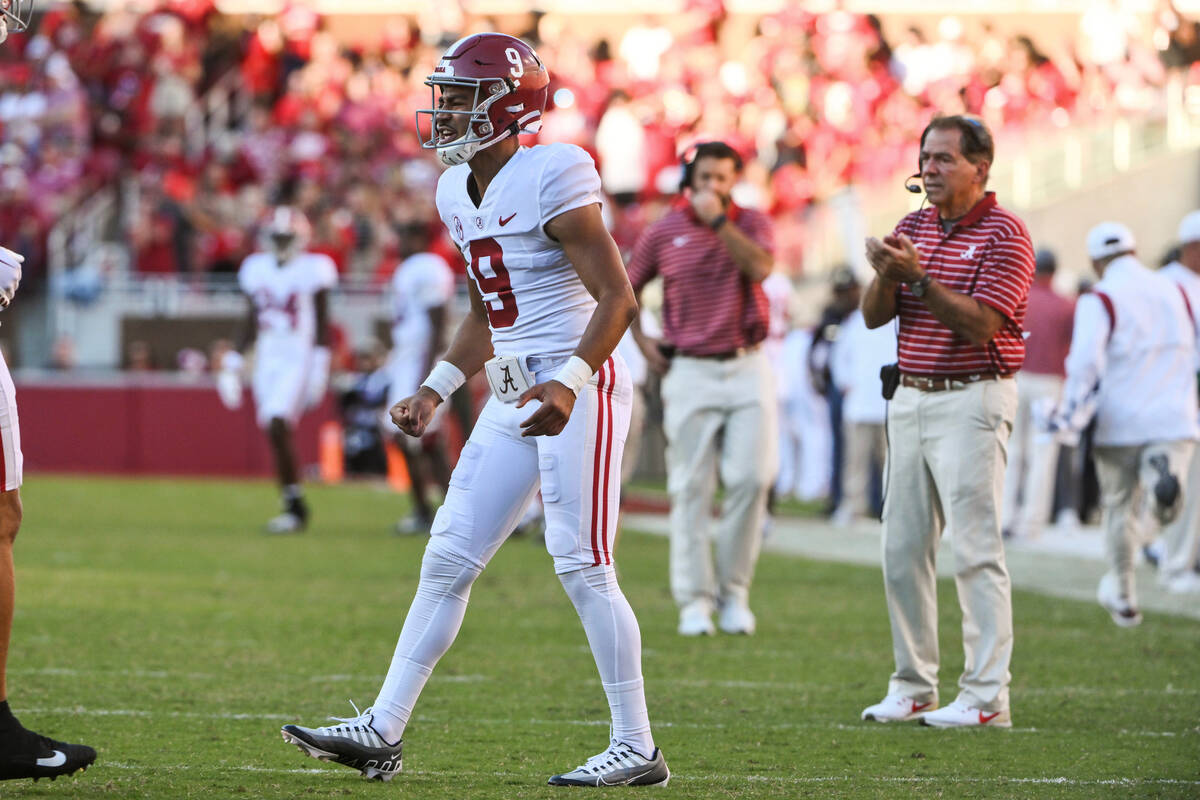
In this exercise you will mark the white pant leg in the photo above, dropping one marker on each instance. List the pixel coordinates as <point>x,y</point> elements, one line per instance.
<point>280,379</point>
<point>967,432</point>
<point>581,470</point>
<point>1182,536</point>
<point>748,463</point>
<point>1117,472</point>
<point>496,475</point>
<point>856,474</point>
<point>912,527</point>
<point>692,421</point>
<point>1040,458</point>
<point>12,461</point>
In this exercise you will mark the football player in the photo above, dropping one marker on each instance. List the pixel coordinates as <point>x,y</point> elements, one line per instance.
<point>549,302</point>
<point>422,288</point>
<point>23,753</point>
<point>288,319</point>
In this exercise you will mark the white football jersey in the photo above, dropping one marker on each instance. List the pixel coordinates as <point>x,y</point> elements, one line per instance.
<point>421,282</point>
<point>536,303</point>
<point>283,297</point>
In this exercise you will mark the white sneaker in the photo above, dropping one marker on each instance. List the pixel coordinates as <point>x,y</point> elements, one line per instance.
<point>897,708</point>
<point>1123,612</point>
<point>736,617</point>
<point>695,619</point>
<point>353,742</point>
<point>1183,583</point>
<point>287,522</point>
<point>960,715</point>
<point>619,765</point>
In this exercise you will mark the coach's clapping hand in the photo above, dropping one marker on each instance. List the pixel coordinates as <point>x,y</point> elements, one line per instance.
<point>10,275</point>
<point>413,414</point>
<point>895,258</point>
<point>557,403</point>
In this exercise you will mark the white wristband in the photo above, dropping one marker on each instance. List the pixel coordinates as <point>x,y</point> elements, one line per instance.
<point>574,374</point>
<point>444,378</point>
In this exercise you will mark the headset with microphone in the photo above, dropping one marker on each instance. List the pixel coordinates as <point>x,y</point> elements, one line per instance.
<point>912,183</point>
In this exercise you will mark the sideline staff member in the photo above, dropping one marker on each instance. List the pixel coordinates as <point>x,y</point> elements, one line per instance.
<point>718,395</point>
<point>957,278</point>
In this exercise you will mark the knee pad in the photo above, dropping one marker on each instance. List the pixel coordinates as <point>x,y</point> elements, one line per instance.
<point>447,572</point>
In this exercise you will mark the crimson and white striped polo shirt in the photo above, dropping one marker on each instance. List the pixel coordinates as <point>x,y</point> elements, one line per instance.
<point>708,305</point>
<point>987,255</point>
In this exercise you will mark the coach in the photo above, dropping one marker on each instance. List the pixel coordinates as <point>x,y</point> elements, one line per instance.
<point>718,393</point>
<point>956,277</point>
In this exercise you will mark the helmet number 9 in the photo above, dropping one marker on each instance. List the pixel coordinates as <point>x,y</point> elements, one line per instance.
<point>514,58</point>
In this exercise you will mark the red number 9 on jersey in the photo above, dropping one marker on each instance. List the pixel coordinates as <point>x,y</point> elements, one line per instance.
<point>487,268</point>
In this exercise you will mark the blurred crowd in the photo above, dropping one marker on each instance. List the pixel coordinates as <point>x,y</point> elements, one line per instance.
<point>815,102</point>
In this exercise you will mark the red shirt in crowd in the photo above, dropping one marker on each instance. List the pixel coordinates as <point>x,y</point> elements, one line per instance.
<point>1049,320</point>
<point>709,306</point>
<point>988,255</point>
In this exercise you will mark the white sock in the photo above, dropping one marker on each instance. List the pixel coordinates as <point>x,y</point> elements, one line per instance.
<point>616,642</point>
<point>429,629</point>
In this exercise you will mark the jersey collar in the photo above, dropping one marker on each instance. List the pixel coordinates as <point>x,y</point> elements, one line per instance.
<point>985,204</point>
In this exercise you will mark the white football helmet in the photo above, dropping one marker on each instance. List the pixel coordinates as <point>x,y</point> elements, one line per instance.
<point>285,233</point>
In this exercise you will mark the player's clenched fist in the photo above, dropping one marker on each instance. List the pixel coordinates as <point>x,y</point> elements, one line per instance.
<point>414,413</point>
<point>557,403</point>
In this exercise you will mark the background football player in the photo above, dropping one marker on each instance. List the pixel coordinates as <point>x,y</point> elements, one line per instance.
<point>288,320</point>
<point>549,302</point>
<point>23,753</point>
<point>422,288</point>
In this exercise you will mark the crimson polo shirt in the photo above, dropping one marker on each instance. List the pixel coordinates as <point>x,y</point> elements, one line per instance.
<point>709,306</point>
<point>987,255</point>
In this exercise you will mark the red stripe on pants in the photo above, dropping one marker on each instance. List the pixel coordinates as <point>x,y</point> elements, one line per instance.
<point>605,396</point>
<point>596,500</point>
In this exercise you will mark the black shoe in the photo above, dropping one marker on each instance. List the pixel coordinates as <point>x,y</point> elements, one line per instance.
<point>1166,489</point>
<point>25,754</point>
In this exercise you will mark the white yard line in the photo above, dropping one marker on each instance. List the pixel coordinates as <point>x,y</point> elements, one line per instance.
<point>1059,563</point>
<point>509,722</point>
<point>675,776</point>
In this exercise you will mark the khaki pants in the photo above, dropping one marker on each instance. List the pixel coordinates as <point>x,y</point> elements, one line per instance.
<point>1032,460</point>
<point>946,469</point>
<point>1182,537</point>
<point>1126,492</point>
<point>719,417</point>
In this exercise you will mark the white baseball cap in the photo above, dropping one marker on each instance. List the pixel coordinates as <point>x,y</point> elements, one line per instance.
<point>1108,239</point>
<point>1189,228</point>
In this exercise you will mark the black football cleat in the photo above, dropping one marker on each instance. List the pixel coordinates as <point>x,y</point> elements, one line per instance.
<point>25,754</point>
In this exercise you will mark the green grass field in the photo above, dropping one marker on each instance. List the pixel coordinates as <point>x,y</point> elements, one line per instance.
<point>156,623</point>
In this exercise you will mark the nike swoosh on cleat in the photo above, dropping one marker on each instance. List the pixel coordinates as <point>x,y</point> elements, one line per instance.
<point>505,220</point>
<point>920,707</point>
<point>57,760</point>
<point>984,719</point>
<point>627,780</point>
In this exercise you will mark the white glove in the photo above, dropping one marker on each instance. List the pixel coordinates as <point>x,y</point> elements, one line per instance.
<point>1050,424</point>
<point>10,275</point>
<point>3,29</point>
<point>229,380</point>
<point>318,378</point>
